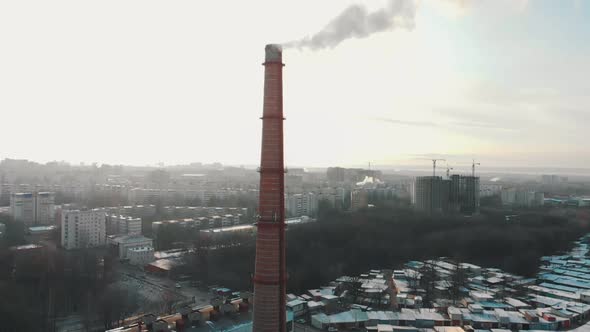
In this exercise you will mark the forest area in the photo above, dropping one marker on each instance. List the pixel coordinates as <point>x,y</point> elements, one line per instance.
<point>37,287</point>
<point>343,243</point>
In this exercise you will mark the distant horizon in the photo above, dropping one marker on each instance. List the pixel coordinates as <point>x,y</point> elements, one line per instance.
<point>426,167</point>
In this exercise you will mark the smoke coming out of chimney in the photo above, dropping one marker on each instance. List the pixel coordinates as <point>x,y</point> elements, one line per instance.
<point>356,21</point>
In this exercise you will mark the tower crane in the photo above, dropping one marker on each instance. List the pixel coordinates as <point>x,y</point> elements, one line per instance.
<point>434,165</point>
<point>473,167</point>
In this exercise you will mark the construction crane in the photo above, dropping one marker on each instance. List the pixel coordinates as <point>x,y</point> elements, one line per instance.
<point>434,165</point>
<point>473,167</point>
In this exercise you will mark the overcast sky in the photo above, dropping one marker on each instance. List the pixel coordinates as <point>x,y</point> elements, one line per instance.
<point>142,82</point>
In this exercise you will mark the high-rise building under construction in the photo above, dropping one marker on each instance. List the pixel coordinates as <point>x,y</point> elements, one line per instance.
<point>457,194</point>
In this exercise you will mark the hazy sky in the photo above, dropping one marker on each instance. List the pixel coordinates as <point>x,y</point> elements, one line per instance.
<point>141,82</point>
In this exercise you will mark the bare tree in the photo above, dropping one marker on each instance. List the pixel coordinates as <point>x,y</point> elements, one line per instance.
<point>114,305</point>
<point>413,277</point>
<point>501,293</point>
<point>428,282</point>
<point>458,280</point>
<point>354,289</point>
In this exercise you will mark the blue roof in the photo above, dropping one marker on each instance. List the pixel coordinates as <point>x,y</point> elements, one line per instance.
<point>414,264</point>
<point>559,287</point>
<point>565,280</point>
<point>580,275</point>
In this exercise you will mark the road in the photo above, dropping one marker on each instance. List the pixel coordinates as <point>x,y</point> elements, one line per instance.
<point>156,290</point>
<point>153,292</point>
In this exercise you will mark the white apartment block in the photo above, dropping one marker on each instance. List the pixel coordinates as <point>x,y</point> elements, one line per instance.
<point>113,190</point>
<point>488,189</point>
<point>335,196</point>
<point>522,198</point>
<point>45,208</point>
<point>231,219</point>
<point>130,226</point>
<point>145,195</point>
<point>83,229</point>
<point>141,195</point>
<point>123,225</point>
<point>22,208</point>
<point>75,190</point>
<point>201,211</point>
<point>227,220</point>
<point>139,211</point>
<point>298,205</point>
<point>33,208</point>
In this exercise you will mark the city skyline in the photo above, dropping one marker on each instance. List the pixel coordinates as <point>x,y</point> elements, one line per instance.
<point>499,81</point>
<point>431,175</point>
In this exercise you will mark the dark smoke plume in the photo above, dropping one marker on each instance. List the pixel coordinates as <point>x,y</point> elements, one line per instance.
<point>357,22</point>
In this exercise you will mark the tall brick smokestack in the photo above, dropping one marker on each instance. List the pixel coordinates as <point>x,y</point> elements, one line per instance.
<point>270,277</point>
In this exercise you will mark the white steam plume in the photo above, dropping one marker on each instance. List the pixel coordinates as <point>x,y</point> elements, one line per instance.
<point>357,22</point>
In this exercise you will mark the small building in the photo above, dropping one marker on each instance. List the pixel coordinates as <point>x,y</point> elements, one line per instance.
<point>517,321</point>
<point>315,307</point>
<point>517,304</point>
<point>38,234</point>
<point>125,242</point>
<point>480,296</point>
<point>330,301</point>
<point>455,315</point>
<point>140,256</point>
<point>164,266</point>
<point>298,307</point>
<point>429,318</point>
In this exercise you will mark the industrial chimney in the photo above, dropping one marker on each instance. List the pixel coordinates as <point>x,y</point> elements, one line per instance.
<point>270,277</point>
